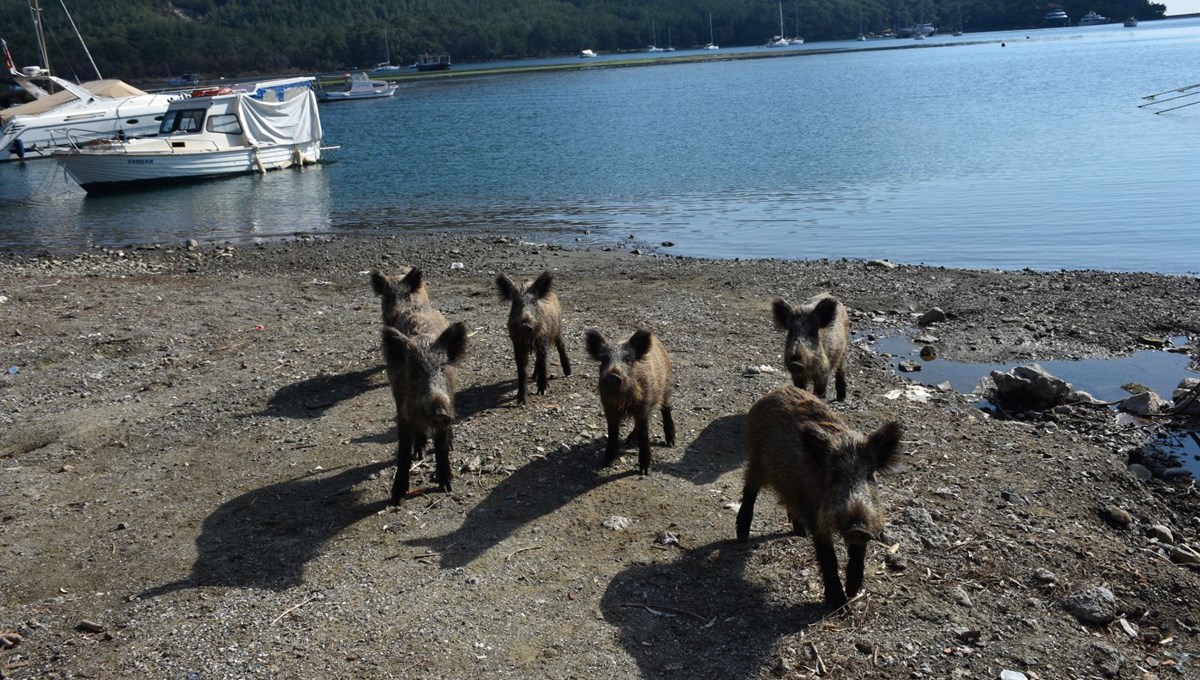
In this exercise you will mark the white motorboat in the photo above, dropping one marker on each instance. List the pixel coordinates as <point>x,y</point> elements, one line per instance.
<point>1056,17</point>
<point>210,134</point>
<point>587,54</point>
<point>358,86</point>
<point>1093,19</point>
<point>1131,22</point>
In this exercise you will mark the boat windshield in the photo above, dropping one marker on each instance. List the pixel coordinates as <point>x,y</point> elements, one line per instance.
<point>181,120</point>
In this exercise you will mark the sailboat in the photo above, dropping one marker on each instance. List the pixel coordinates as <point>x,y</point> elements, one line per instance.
<point>653,46</point>
<point>779,40</point>
<point>958,31</point>
<point>387,48</point>
<point>669,47</point>
<point>712,45</point>
<point>797,40</point>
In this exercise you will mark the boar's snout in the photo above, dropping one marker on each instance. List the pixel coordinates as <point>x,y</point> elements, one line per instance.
<point>611,380</point>
<point>858,535</point>
<point>526,329</point>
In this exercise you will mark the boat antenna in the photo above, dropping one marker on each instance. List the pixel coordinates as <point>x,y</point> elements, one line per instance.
<point>81,42</point>
<point>35,9</point>
<point>8,62</point>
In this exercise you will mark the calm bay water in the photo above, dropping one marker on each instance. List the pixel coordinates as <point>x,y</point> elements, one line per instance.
<point>1033,154</point>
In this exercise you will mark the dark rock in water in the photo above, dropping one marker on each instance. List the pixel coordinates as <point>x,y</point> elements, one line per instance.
<point>1143,404</point>
<point>1031,387</point>
<point>908,366</point>
<point>1187,397</point>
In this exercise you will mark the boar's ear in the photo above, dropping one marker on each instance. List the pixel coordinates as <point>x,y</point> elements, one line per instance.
<point>395,345</point>
<point>414,279</point>
<point>640,343</point>
<point>884,444</point>
<point>454,341</point>
<point>595,344</point>
<point>380,282</point>
<point>507,290</point>
<point>826,311</point>
<point>783,313</point>
<point>541,286</point>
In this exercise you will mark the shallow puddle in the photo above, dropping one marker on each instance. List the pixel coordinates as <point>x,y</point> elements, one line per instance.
<point>1102,378</point>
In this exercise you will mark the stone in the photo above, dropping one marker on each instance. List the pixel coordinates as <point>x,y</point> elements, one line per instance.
<point>961,598</point>
<point>1176,473</point>
<point>884,264</point>
<point>1143,404</point>
<point>1012,675</point>
<point>1031,387</point>
<point>935,315</point>
<point>1183,554</point>
<point>192,244</point>
<point>1161,534</point>
<point>1187,397</point>
<point>1140,471</point>
<point>1116,516</point>
<point>1045,576</point>
<point>617,523</point>
<point>1093,605</point>
<point>908,366</point>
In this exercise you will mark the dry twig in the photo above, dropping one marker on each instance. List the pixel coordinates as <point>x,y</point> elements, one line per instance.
<point>517,552</point>
<point>291,609</point>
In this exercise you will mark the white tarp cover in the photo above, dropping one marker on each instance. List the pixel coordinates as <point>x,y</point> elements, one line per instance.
<point>291,122</point>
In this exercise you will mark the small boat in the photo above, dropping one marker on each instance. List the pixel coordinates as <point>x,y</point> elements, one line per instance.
<point>1056,17</point>
<point>1131,22</point>
<point>712,44</point>
<point>213,133</point>
<point>1093,19</point>
<point>358,86</point>
<point>587,54</point>
<point>433,62</point>
<point>781,39</point>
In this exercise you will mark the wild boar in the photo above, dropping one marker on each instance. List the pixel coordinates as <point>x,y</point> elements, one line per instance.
<point>422,371</point>
<point>635,378</point>
<point>534,323</point>
<point>824,475</point>
<point>818,338</point>
<point>404,299</point>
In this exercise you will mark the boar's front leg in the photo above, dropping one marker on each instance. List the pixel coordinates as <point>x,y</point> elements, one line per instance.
<point>404,452</point>
<point>441,449</point>
<point>835,597</point>
<point>522,371</point>
<point>614,434</point>
<point>746,512</point>
<point>840,383</point>
<point>668,425</point>
<point>856,555</point>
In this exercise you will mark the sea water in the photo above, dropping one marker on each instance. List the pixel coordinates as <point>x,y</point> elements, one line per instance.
<point>992,150</point>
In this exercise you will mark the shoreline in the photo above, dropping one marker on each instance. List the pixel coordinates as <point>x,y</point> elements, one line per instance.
<point>198,447</point>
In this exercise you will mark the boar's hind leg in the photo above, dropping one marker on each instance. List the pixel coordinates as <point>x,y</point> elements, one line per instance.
<point>840,383</point>
<point>539,369</point>
<point>835,597</point>
<point>797,525</point>
<point>418,447</point>
<point>404,449</point>
<point>522,372</point>
<point>562,356</point>
<point>668,425</point>
<point>441,450</point>
<point>746,513</point>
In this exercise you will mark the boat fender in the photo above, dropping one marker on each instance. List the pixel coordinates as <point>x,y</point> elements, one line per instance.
<point>18,149</point>
<point>262,169</point>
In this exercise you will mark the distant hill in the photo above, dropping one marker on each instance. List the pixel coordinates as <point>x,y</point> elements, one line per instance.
<point>145,39</point>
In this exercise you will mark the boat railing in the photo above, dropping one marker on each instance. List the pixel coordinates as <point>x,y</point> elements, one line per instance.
<point>144,145</point>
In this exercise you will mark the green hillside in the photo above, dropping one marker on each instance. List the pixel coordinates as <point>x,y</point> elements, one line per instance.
<point>142,39</point>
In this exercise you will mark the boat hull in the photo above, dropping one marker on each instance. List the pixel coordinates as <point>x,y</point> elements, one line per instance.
<point>113,170</point>
<point>350,96</point>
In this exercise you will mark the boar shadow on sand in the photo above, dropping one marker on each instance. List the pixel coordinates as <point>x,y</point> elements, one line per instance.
<point>703,607</point>
<point>264,538</point>
<point>824,475</point>
<point>717,450</point>
<point>312,397</point>
<point>536,489</point>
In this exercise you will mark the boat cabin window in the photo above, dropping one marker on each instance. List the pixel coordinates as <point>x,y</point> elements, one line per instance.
<point>181,120</point>
<point>227,123</point>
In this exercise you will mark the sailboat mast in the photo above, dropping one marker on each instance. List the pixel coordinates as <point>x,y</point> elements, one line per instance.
<point>35,8</point>
<point>81,42</point>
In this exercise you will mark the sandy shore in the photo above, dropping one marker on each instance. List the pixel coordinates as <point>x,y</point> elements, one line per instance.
<point>197,448</point>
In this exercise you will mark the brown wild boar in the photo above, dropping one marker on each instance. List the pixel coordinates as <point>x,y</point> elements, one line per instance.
<point>635,378</point>
<point>818,338</point>
<point>534,323</point>
<point>422,371</point>
<point>824,475</point>
<point>404,298</point>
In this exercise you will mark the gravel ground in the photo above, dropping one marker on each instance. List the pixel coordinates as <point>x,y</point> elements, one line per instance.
<point>197,451</point>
